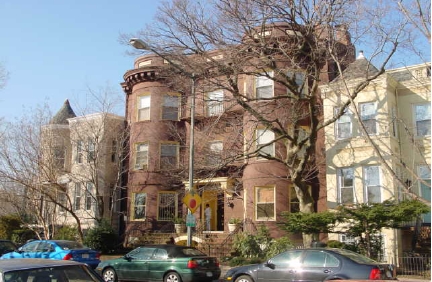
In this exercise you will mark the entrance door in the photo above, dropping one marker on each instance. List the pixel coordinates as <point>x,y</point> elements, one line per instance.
<point>210,197</point>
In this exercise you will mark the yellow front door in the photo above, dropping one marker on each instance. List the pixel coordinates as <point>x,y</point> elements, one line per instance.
<point>209,197</point>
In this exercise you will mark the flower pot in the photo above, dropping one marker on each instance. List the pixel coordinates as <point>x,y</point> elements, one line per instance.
<point>232,227</point>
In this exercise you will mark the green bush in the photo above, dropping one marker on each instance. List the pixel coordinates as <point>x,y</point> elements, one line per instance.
<point>102,238</point>
<point>335,244</point>
<point>66,233</point>
<point>278,246</point>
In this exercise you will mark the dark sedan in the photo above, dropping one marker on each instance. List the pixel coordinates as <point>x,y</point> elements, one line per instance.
<point>56,249</point>
<point>168,263</point>
<point>43,270</point>
<point>312,265</point>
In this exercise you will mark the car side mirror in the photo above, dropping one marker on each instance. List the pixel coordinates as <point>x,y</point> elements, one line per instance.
<point>270,265</point>
<point>127,257</point>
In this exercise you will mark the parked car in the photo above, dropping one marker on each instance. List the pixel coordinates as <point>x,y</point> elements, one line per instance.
<point>7,246</point>
<point>56,249</point>
<point>43,270</point>
<point>313,265</point>
<point>167,263</point>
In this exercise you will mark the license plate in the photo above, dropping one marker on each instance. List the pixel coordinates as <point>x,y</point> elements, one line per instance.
<point>85,255</point>
<point>209,274</point>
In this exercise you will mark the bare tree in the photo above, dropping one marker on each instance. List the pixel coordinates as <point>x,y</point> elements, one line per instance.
<point>297,45</point>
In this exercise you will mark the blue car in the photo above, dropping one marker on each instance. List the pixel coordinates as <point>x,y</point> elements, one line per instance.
<point>56,249</point>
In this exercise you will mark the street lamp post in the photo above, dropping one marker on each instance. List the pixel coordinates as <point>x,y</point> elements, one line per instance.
<point>139,44</point>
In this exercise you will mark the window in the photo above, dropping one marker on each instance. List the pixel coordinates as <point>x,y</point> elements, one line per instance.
<point>168,156</point>
<point>214,156</point>
<point>294,201</point>
<point>59,157</point>
<point>114,151</point>
<point>91,151</point>
<point>368,114</point>
<point>167,205</point>
<point>424,174</point>
<point>347,239</point>
<point>139,206</point>
<point>372,184</point>
<point>77,196</point>
<point>422,119</point>
<point>89,196</point>
<point>264,86</point>
<point>319,259</point>
<point>79,149</point>
<point>144,108</point>
<point>141,156</point>
<point>300,84</point>
<point>214,103</point>
<point>265,143</point>
<point>265,203</point>
<point>345,185</point>
<point>343,125</point>
<point>170,108</point>
<point>62,200</point>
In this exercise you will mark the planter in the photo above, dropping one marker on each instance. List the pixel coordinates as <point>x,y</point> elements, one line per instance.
<point>232,226</point>
<point>180,227</point>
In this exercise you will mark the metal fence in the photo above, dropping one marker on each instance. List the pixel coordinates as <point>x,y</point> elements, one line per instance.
<point>415,266</point>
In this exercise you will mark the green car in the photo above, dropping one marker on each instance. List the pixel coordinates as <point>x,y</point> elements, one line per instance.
<point>168,263</point>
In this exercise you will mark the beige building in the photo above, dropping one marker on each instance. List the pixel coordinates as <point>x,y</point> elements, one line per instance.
<point>86,161</point>
<point>395,112</point>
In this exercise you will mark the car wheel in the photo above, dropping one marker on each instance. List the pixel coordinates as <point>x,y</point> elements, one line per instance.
<point>109,275</point>
<point>244,278</point>
<point>172,277</point>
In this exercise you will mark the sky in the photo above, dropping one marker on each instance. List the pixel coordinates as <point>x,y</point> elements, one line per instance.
<point>56,50</point>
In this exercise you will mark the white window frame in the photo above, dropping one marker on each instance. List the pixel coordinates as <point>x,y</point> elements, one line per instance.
<point>265,136</point>
<point>215,102</point>
<point>424,174</point>
<point>341,183</point>
<point>368,186</point>
<point>369,119</point>
<point>423,117</point>
<point>77,197</point>
<point>88,204</point>
<point>262,82</point>
<point>170,107</point>
<point>143,108</point>
<point>267,201</point>
<point>345,119</point>
<point>79,151</point>
<point>91,150</point>
<point>141,155</point>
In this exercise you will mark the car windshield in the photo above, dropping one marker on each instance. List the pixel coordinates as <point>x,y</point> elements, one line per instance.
<point>355,256</point>
<point>51,274</point>
<point>70,245</point>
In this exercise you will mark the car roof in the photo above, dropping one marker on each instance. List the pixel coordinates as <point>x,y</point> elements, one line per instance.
<point>29,263</point>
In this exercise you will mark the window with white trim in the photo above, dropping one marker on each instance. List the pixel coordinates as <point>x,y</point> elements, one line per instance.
<point>264,142</point>
<point>77,197</point>
<point>343,125</point>
<point>169,155</point>
<point>264,86</point>
<point>347,239</point>
<point>372,184</point>
<point>167,205</point>
<point>143,107</point>
<point>59,157</point>
<point>170,107</point>
<point>422,117</point>
<point>368,114</point>
<point>79,151</point>
<point>139,206</point>
<point>265,203</point>
<point>89,196</point>
<point>424,173</point>
<point>141,156</point>
<point>214,156</point>
<point>214,102</point>
<point>300,82</point>
<point>345,185</point>
<point>91,150</point>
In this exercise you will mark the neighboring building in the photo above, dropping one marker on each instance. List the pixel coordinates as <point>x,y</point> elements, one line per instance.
<point>256,190</point>
<point>83,156</point>
<point>395,110</point>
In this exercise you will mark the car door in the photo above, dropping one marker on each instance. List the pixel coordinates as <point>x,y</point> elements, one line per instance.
<point>158,264</point>
<point>317,265</point>
<point>281,267</point>
<point>135,267</point>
